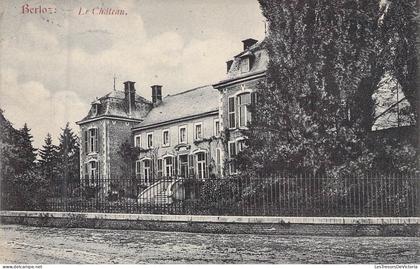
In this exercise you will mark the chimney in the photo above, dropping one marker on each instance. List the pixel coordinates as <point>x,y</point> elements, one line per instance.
<point>156,94</point>
<point>130,95</point>
<point>228,65</point>
<point>248,43</point>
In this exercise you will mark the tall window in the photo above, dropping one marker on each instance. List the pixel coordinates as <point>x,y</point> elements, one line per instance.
<point>149,140</point>
<point>137,141</point>
<point>165,137</point>
<point>231,112</point>
<point>168,166</point>
<point>198,132</point>
<point>138,169</point>
<point>146,171</point>
<point>201,165</point>
<point>244,101</point>
<point>216,128</point>
<point>183,165</point>
<point>183,134</point>
<point>93,170</point>
<point>91,140</point>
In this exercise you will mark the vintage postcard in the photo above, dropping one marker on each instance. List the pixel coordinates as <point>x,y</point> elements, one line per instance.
<point>209,132</point>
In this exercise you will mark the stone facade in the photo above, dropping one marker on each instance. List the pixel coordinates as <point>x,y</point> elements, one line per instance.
<point>238,93</point>
<point>179,142</point>
<point>107,125</point>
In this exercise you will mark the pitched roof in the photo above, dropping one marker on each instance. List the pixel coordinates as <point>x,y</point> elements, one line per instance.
<point>189,103</point>
<point>259,55</point>
<point>114,104</point>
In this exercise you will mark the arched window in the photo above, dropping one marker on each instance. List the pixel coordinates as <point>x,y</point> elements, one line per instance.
<point>92,170</point>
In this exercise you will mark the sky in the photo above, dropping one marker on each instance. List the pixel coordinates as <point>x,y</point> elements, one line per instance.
<point>54,64</point>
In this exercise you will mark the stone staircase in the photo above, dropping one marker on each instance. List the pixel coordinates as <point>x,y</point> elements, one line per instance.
<point>158,193</point>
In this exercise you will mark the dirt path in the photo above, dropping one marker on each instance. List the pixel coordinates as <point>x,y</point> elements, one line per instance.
<point>24,244</point>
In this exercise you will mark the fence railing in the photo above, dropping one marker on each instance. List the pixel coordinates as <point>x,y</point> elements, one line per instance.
<point>277,195</point>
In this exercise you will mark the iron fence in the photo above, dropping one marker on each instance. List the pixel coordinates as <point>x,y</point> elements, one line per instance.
<point>276,195</point>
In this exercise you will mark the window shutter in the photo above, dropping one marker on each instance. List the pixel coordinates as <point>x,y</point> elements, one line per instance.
<point>159,168</point>
<point>152,170</point>
<point>98,170</point>
<point>191,165</point>
<point>175,166</point>
<point>86,171</point>
<point>141,170</point>
<point>232,112</point>
<point>207,169</point>
<point>253,99</point>
<point>97,140</point>
<point>86,141</point>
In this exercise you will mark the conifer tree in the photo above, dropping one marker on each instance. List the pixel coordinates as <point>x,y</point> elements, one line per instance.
<point>48,158</point>
<point>68,155</point>
<point>26,153</point>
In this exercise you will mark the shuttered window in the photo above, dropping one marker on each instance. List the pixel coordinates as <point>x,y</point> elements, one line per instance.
<point>169,166</point>
<point>244,101</point>
<point>201,165</point>
<point>93,140</point>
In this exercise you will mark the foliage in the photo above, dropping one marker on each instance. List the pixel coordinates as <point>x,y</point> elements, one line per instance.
<point>128,154</point>
<point>8,148</point>
<point>326,59</point>
<point>27,191</point>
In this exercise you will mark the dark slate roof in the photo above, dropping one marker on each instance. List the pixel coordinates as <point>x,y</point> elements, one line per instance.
<point>184,104</point>
<point>259,54</point>
<point>114,104</point>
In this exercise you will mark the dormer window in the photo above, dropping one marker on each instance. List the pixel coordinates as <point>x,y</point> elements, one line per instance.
<point>95,107</point>
<point>245,65</point>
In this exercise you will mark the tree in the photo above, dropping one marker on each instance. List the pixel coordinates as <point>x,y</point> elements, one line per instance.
<point>48,159</point>
<point>128,154</point>
<point>21,185</point>
<point>315,111</point>
<point>26,153</point>
<point>8,148</point>
<point>68,156</point>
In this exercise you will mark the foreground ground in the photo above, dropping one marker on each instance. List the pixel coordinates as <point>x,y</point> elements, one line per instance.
<point>23,244</point>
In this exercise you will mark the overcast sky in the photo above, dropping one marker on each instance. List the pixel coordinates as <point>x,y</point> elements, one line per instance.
<point>54,65</point>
